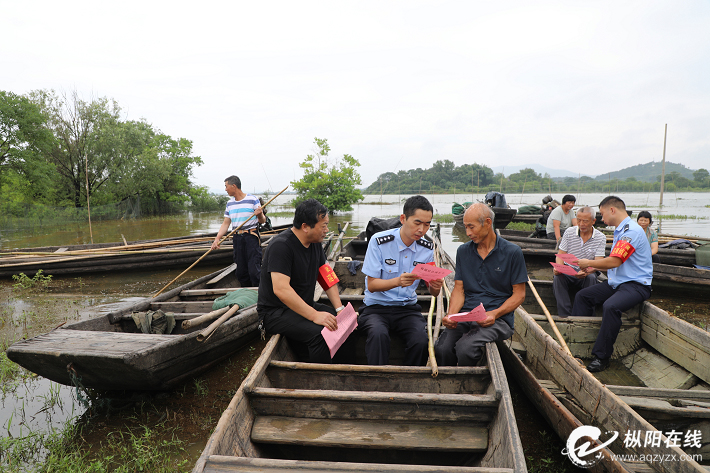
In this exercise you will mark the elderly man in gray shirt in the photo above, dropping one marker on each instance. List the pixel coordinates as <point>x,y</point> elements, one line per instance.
<point>584,242</point>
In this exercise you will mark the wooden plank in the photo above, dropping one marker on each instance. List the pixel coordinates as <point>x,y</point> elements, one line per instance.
<point>226,272</point>
<point>657,371</point>
<point>290,375</point>
<point>87,343</point>
<point>182,306</point>
<point>691,394</point>
<point>220,464</point>
<point>685,344</point>
<point>369,434</point>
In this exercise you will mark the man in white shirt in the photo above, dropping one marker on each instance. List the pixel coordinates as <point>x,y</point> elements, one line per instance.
<point>584,242</point>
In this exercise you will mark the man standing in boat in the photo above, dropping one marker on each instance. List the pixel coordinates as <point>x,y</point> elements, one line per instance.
<point>293,262</point>
<point>247,244</point>
<point>390,304</point>
<point>489,271</point>
<point>584,242</point>
<point>630,271</point>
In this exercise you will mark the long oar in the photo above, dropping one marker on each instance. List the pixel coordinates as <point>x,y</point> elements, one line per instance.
<point>549,319</point>
<point>220,241</point>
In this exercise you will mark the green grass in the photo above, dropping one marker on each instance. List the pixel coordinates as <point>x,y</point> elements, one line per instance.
<point>38,281</point>
<point>522,226</point>
<point>444,218</point>
<point>141,449</point>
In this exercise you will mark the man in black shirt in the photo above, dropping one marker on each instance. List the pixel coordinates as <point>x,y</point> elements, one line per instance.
<point>292,263</point>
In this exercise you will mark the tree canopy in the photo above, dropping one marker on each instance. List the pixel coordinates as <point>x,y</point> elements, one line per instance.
<point>59,149</point>
<point>331,181</point>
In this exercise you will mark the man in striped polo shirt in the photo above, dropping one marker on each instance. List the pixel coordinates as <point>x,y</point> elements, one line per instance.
<point>247,244</point>
<point>584,242</point>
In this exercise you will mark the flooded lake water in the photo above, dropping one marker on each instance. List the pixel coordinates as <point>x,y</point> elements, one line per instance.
<point>32,404</point>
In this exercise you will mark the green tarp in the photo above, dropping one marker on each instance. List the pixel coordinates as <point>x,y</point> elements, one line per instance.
<point>242,297</point>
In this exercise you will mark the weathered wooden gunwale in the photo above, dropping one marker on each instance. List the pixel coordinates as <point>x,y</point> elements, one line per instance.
<point>569,396</point>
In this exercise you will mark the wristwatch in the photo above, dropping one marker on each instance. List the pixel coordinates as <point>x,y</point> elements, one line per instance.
<point>337,311</point>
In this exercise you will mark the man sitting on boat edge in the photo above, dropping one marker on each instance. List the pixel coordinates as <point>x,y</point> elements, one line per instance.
<point>292,263</point>
<point>584,242</point>
<point>630,271</point>
<point>390,303</point>
<point>489,270</point>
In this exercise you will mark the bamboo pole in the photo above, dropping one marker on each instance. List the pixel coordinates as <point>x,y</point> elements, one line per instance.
<point>186,324</point>
<point>223,238</point>
<point>432,355</point>
<point>204,335</point>
<point>549,319</point>
<point>340,241</point>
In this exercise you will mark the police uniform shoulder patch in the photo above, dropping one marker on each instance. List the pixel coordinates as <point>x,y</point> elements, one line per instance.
<point>425,243</point>
<point>625,239</point>
<point>384,239</point>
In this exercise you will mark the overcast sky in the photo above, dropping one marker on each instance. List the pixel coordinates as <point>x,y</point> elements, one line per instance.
<point>583,86</point>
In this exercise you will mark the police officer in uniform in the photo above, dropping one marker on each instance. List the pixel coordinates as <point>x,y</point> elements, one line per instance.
<point>390,304</point>
<point>630,271</point>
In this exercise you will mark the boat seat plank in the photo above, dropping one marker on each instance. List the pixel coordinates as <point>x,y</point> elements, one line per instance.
<point>220,464</point>
<point>660,406</point>
<point>688,394</point>
<point>290,375</point>
<point>352,291</point>
<point>91,343</point>
<point>657,371</point>
<point>207,292</point>
<point>182,306</point>
<point>368,434</point>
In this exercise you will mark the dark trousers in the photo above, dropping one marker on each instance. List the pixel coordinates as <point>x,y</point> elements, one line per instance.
<point>615,301</point>
<point>247,256</point>
<point>378,321</point>
<point>463,345</point>
<point>563,285</point>
<point>305,337</point>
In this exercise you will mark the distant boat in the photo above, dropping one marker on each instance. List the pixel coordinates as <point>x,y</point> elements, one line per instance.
<point>503,216</point>
<point>142,255</point>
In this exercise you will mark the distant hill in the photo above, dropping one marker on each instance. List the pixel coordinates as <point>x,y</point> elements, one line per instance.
<point>647,172</point>
<point>540,169</point>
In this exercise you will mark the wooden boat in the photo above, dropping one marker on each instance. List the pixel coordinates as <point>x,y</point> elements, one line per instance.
<point>110,353</point>
<point>294,416</point>
<point>503,216</point>
<point>143,255</point>
<point>657,382</point>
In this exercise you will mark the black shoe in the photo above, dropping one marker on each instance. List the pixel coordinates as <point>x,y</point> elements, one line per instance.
<point>598,365</point>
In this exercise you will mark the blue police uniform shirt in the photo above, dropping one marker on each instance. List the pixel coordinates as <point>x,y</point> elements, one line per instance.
<point>387,257</point>
<point>490,281</point>
<point>639,266</point>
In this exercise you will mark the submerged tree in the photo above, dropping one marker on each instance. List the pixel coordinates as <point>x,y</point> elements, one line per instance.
<point>330,181</point>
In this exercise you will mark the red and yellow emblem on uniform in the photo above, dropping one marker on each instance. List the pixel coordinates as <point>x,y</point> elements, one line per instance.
<point>327,277</point>
<point>623,249</point>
